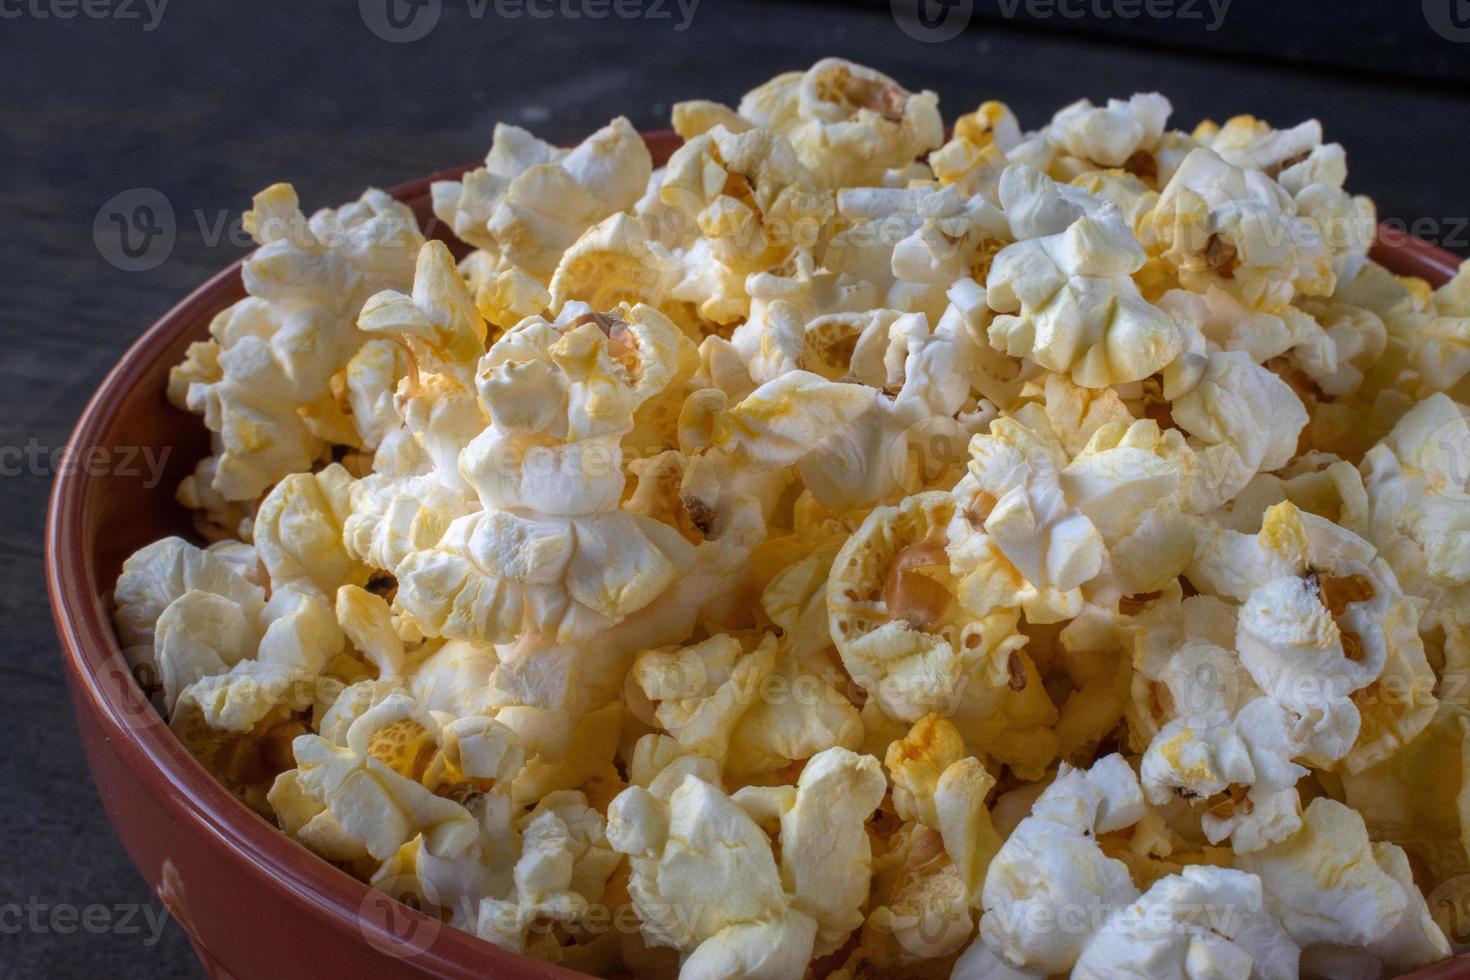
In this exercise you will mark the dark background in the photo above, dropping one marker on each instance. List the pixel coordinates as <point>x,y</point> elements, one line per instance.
<point>220,99</point>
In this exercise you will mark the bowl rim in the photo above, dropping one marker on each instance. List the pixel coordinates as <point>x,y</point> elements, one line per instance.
<point>87,643</point>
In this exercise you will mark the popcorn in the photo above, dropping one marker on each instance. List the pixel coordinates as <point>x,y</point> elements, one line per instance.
<point>1412,798</point>
<point>1093,478</point>
<point>1323,619</point>
<point>532,200</point>
<point>703,873</point>
<point>981,140</point>
<point>240,724</point>
<point>748,195</point>
<point>371,787</point>
<point>298,533</point>
<point>1111,135</point>
<point>563,867</point>
<point>1070,305</point>
<point>935,784</point>
<point>1242,420</point>
<point>1324,884</point>
<point>825,851</point>
<point>1418,492</point>
<point>847,123</point>
<point>1051,866</point>
<point>1210,921</point>
<point>1237,230</point>
<point>438,325</point>
<point>162,572</point>
<point>274,352</point>
<point>894,621</point>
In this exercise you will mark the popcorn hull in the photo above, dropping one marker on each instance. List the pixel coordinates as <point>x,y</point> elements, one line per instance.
<point>252,902</point>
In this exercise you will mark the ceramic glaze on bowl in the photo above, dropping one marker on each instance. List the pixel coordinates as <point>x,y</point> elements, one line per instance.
<point>253,902</point>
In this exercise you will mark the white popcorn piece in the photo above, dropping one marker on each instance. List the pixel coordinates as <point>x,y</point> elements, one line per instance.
<point>825,851</point>
<point>748,195</point>
<point>700,868</point>
<point>1237,229</point>
<point>438,324</point>
<point>1069,304</point>
<point>371,785</point>
<point>893,619</point>
<point>1051,870</point>
<point>977,151</point>
<point>1241,420</point>
<point>1011,506</point>
<point>199,635</point>
<point>1418,488</point>
<point>562,869</point>
<point>1110,135</point>
<point>532,200</point>
<point>1324,884</point>
<point>1203,921</point>
<point>367,621</point>
<point>298,533</point>
<point>847,123</point>
<point>495,574</point>
<point>935,783</point>
<point>158,574</point>
<point>275,352</point>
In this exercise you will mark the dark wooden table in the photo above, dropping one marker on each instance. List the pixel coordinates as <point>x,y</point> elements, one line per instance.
<point>212,101</point>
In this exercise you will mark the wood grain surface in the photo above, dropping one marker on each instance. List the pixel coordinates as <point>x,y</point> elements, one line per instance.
<point>210,101</point>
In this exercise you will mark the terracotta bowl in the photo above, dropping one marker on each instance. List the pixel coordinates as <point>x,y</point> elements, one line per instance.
<point>253,902</point>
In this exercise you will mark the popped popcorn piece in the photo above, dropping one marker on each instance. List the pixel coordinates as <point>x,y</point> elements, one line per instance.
<point>531,200</point>
<point>826,855</point>
<point>274,352</point>
<point>1323,627</point>
<point>748,195</point>
<point>703,873</point>
<point>1070,304</point>
<point>371,785</point>
<point>1203,921</point>
<point>1241,420</point>
<point>438,324</point>
<point>156,575</point>
<point>1414,798</point>
<point>495,574</point>
<point>1111,135</point>
<point>562,869</point>
<point>298,533</point>
<point>1237,230</point>
<point>848,124</point>
<point>1052,871</point>
<point>893,616</point>
<point>1418,490</point>
<point>1324,884</point>
<point>936,784</point>
<point>977,151</point>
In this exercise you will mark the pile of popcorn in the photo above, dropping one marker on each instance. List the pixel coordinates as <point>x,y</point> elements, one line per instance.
<point>841,552</point>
